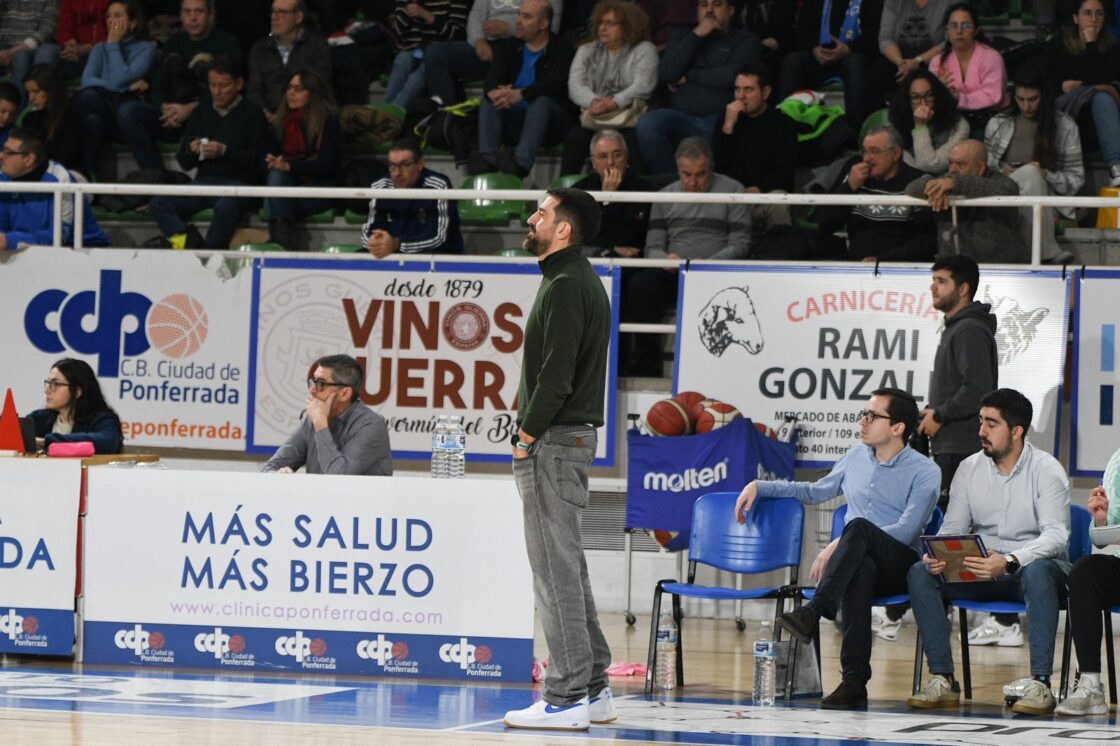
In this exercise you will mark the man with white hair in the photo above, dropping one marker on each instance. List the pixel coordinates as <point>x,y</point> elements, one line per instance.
<point>624,225</point>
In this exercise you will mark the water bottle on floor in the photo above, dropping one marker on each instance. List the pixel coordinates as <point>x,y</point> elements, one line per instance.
<point>439,448</point>
<point>456,448</point>
<point>765,665</point>
<point>666,655</point>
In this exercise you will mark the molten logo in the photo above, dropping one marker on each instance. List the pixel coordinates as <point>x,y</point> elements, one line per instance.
<point>11,624</point>
<point>461,652</point>
<point>135,639</point>
<point>216,642</point>
<point>689,479</point>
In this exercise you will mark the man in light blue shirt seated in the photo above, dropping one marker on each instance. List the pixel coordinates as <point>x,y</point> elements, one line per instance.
<point>1016,498</point>
<point>892,491</point>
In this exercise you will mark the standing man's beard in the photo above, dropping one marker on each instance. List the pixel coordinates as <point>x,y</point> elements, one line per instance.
<point>535,245</point>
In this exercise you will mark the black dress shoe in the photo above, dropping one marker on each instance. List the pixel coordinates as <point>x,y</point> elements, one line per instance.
<point>801,623</point>
<point>850,695</point>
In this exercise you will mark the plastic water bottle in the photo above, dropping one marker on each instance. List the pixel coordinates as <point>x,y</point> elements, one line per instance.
<point>764,666</point>
<point>439,448</point>
<point>456,448</point>
<point>666,655</point>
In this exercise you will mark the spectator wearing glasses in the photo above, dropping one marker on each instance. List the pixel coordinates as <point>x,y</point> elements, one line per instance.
<point>622,231</point>
<point>289,47</point>
<point>925,114</point>
<point>896,233</point>
<point>27,218</point>
<point>337,433</point>
<point>891,491</point>
<point>411,226</point>
<point>76,410</point>
<point>972,71</point>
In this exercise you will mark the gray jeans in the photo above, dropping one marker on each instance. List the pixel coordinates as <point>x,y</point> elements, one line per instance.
<point>553,486</point>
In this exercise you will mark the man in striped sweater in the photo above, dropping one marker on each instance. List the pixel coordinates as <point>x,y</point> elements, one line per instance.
<point>411,226</point>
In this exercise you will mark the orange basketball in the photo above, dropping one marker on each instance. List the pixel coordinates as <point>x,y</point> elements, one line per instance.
<point>177,325</point>
<point>715,414</point>
<point>766,430</point>
<point>666,418</point>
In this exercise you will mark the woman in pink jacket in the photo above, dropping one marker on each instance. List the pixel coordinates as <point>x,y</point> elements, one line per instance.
<point>972,71</point>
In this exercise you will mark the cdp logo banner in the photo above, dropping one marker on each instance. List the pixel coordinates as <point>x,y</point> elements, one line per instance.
<point>379,650</point>
<point>301,648</point>
<point>11,624</point>
<point>136,639</point>
<point>216,642</point>
<point>461,652</point>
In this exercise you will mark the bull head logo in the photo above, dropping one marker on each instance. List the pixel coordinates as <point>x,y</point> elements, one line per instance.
<point>729,318</point>
<point>1017,326</point>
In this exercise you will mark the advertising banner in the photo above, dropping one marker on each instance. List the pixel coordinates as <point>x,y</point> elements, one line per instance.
<point>1096,380</point>
<point>814,342</point>
<point>38,540</point>
<point>433,337</point>
<point>403,576</point>
<point>166,334</point>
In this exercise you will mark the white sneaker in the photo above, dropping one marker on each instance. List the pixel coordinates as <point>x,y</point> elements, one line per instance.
<point>992,632</point>
<point>1037,699</point>
<point>602,707</point>
<point>883,626</point>
<point>936,694</point>
<point>1085,700</point>
<point>544,716</point>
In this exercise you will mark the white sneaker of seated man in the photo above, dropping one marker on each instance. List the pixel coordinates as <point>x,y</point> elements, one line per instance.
<point>577,716</point>
<point>992,632</point>
<point>883,626</point>
<point>1087,699</point>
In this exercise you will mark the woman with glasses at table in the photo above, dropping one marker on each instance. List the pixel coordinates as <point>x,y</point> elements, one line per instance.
<point>925,114</point>
<point>973,72</point>
<point>1083,65</point>
<point>76,411</point>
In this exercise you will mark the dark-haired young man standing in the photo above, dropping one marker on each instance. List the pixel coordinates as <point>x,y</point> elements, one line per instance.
<point>560,406</point>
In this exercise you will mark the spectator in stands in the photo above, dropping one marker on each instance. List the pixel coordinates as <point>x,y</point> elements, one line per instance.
<point>291,46</point>
<point>9,109</point>
<point>225,139</point>
<point>612,76</point>
<point>622,231</point>
<point>755,144</point>
<point>113,76</point>
<point>337,433</point>
<point>666,19</point>
<point>875,233</point>
<point>27,36</point>
<point>411,226</point>
<point>525,98</point>
<point>1083,62</point>
<point>76,410</point>
<point>49,102</point>
<point>891,491</point>
<point>81,25</point>
<point>449,63</point>
<point>1016,497</point>
<point>178,84</point>
<point>844,44</point>
<point>925,114</point>
<point>772,21</point>
<point>971,70</point>
<point>27,219</point>
<point>911,33</point>
<point>415,27</point>
<point>306,151</point>
<point>986,234</point>
<point>1094,588</point>
<point>683,231</point>
<point>1039,147</point>
<point>699,67</point>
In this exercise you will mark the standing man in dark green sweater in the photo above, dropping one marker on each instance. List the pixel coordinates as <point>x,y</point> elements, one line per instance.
<point>560,406</point>
<point>225,139</point>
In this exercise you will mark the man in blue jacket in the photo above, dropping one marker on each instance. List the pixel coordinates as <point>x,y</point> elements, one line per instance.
<point>27,218</point>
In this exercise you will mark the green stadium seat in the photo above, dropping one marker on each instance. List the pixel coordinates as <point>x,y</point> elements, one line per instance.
<point>353,217</point>
<point>260,247</point>
<point>565,181</point>
<point>513,252</point>
<point>342,248</point>
<point>874,119</point>
<point>490,212</point>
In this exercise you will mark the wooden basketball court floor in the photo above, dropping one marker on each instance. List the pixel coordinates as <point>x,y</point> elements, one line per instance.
<point>57,702</point>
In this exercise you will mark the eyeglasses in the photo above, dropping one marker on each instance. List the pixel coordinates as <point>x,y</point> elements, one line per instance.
<point>9,151</point>
<point>1091,13</point>
<point>874,151</point>
<point>927,96</point>
<point>402,166</point>
<point>281,12</point>
<point>966,26</point>
<point>54,385</point>
<point>319,384</point>
<point>868,416</point>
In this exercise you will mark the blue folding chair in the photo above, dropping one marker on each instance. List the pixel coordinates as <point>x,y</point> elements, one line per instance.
<point>1079,546</point>
<point>932,527</point>
<point>769,540</point>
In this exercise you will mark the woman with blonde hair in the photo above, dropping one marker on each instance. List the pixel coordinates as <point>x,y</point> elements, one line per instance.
<point>612,75</point>
<point>306,151</point>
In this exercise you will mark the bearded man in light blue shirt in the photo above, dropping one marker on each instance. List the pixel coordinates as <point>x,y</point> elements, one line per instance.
<point>892,491</point>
